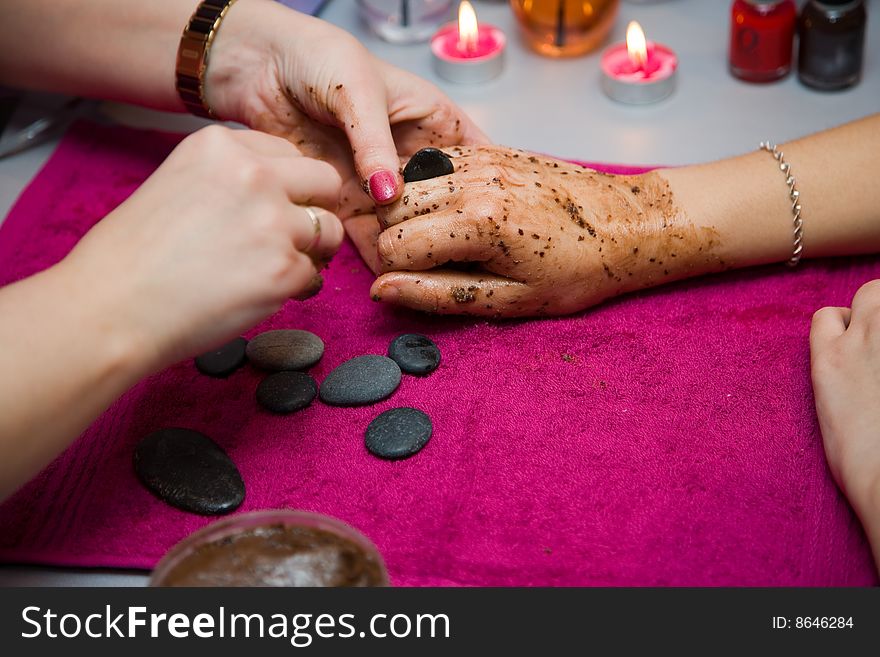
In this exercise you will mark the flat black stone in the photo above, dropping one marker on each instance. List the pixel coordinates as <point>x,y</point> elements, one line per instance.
<point>359,381</point>
<point>285,349</point>
<point>398,433</point>
<point>414,353</point>
<point>224,360</point>
<point>189,470</point>
<point>286,392</point>
<point>426,164</point>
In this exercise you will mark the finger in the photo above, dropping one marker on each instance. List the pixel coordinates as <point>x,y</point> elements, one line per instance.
<point>314,286</point>
<point>353,201</point>
<point>304,180</point>
<point>432,241</point>
<point>363,230</point>
<point>454,293</point>
<point>866,302</point>
<point>369,132</point>
<point>319,241</point>
<point>472,135</point>
<point>429,115</point>
<point>300,277</point>
<point>217,141</point>
<point>421,198</point>
<point>828,324</point>
<point>265,144</point>
<point>309,182</point>
<point>434,130</point>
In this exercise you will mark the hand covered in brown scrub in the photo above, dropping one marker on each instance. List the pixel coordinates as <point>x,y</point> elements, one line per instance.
<point>512,234</point>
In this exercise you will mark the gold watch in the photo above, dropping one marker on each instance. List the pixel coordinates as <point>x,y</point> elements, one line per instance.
<point>192,54</point>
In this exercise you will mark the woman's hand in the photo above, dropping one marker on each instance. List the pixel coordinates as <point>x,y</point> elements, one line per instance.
<point>301,78</point>
<point>535,235</point>
<point>212,243</point>
<point>845,354</point>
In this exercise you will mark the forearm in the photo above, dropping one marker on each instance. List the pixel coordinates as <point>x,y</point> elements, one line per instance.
<point>117,49</point>
<point>64,362</point>
<point>745,199</point>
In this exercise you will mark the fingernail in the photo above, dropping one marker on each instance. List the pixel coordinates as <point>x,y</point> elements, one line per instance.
<point>320,262</point>
<point>388,294</point>
<point>313,288</point>
<point>383,186</point>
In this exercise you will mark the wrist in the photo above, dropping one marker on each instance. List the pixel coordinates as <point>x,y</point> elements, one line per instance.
<point>745,201</point>
<point>862,489</point>
<point>653,238</point>
<point>700,202</point>
<point>866,504</point>
<point>120,348</point>
<point>241,78</point>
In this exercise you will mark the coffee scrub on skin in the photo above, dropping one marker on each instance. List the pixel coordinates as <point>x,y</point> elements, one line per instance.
<point>547,237</point>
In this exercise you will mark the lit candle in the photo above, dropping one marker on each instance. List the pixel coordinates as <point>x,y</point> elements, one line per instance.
<point>638,71</point>
<point>468,51</point>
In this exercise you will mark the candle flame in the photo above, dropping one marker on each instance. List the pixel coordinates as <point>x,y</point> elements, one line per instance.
<point>636,45</point>
<point>467,27</point>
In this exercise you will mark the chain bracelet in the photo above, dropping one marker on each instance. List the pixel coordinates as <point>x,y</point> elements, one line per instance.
<point>794,195</point>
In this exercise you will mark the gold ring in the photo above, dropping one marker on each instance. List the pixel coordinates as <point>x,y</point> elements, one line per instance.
<point>316,224</point>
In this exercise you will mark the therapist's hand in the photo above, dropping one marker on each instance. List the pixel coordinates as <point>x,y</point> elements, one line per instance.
<point>298,77</point>
<point>211,244</point>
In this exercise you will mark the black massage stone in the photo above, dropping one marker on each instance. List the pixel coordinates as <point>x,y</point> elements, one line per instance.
<point>426,164</point>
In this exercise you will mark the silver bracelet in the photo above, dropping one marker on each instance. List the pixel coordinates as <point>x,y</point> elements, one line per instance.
<point>794,195</point>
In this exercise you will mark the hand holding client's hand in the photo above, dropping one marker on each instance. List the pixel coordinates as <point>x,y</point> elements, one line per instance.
<point>201,252</point>
<point>304,79</point>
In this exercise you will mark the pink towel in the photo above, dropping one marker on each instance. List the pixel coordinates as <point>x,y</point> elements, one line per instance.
<point>664,438</point>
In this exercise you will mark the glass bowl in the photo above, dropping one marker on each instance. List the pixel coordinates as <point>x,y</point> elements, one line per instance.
<point>278,548</point>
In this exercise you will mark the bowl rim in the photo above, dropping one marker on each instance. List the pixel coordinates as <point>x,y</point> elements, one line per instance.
<point>249,520</point>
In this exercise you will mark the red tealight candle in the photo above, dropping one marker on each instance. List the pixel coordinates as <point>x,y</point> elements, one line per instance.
<point>468,51</point>
<point>638,72</point>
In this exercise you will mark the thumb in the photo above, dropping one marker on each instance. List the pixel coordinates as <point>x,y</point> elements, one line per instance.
<point>828,324</point>
<point>375,155</point>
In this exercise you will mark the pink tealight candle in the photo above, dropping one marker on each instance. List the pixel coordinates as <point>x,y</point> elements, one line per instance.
<point>638,72</point>
<point>467,51</point>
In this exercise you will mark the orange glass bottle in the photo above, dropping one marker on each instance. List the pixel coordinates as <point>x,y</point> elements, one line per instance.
<point>565,28</point>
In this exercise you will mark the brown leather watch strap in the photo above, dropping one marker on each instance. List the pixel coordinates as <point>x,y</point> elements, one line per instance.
<point>192,54</point>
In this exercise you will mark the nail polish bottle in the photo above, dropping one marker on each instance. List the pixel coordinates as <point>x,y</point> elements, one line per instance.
<point>832,43</point>
<point>761,39</point>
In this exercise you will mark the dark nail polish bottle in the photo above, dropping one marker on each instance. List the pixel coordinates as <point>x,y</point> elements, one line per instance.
<point>761,39</point>
<point>832,43</point>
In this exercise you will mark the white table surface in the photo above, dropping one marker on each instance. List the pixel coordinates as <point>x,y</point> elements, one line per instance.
<point>556,107</point>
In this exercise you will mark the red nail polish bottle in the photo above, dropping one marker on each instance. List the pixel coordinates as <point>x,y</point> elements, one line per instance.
<point>761,39</point>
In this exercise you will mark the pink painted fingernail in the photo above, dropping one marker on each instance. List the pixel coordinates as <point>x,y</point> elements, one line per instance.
<point>383,186</point>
